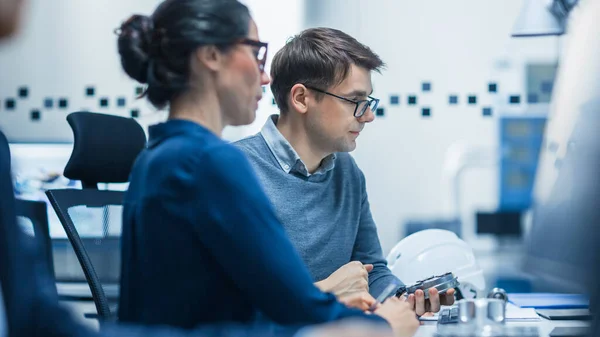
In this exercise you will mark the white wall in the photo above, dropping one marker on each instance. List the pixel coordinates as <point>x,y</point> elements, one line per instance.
<point>65,46</point>
<point>459,46</point>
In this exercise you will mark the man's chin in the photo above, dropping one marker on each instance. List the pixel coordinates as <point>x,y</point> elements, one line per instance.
<point>348,147</point>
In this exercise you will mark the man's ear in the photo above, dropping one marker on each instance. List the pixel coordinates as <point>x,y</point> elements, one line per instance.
<point>209,56</point>
<point>299,98</point>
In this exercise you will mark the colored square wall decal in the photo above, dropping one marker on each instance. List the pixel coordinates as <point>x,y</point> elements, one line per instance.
<point>63,103</point>
<point>23,92</point>
<point>104,102</point>
<point>10,104</point>
<point>394,100</point>
<point>472,99</point>
<point>90,91</point>
<point>487,111</point>
<point>492,87</point>
<point>48,103</point>
<point>135,113</point>
<point>453,99</point>
<point>35,115</point>
<point>121,102</point>
<point>426,86</point>
<point>412,100</point>
<point>514,99</point>
<point>426,112</point>
<point>379,112</point>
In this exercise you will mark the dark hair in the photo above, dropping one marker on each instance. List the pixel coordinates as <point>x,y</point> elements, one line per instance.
<point>156,50</point>
<point>317,57</point>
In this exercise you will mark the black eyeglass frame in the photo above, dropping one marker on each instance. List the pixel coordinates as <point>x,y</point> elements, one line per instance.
<point>357,113</point>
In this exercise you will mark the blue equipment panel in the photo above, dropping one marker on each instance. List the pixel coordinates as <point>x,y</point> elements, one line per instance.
<point>520,141</point>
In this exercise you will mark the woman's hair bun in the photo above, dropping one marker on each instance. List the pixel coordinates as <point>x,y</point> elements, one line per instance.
<point>134,44</point>
<point>157,50</point>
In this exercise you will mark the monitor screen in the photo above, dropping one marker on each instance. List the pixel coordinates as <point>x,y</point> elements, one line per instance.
<point>37,167</point>
<point>562,242</point>
<point>566,219</point>
<point>499,223</point>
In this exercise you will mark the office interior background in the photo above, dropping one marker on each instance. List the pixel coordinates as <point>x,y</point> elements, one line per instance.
<point>455,143</point>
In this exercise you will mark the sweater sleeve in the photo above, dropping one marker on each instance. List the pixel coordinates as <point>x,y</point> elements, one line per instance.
<point>367,248</point>
<point>244,235</point>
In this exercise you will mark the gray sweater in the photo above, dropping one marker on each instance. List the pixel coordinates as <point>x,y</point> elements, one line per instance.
<point>326,214</point>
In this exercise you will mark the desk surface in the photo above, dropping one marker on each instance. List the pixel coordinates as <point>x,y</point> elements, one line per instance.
<point>545,326</point>
<point>428,328</point>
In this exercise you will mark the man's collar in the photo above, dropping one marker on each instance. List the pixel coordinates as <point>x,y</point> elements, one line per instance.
<point>286,156</point>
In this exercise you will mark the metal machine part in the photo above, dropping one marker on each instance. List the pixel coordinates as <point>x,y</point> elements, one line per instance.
<point>442,283</point>
<point>481,311</point>
<point>498,293</point>
<point>483,317</point>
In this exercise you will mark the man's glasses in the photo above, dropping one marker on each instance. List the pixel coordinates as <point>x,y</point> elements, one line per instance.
<point>260,51</point>
<point>360,106</point>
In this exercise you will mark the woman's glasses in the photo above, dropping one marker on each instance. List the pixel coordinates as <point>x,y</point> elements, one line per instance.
<point>260,51</point>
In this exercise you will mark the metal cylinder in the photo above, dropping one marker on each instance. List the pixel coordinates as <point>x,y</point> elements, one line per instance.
<point>482,311</point>
<point>498,293</point>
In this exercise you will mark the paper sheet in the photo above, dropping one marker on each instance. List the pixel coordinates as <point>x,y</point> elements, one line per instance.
<point>433,317</point>
<point>514,313</point>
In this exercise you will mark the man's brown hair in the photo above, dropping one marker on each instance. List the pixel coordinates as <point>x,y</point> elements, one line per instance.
<point>318,57</point>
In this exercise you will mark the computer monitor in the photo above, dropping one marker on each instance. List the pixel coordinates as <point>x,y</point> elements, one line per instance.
<point>37,167</point>
<point>502,223</point>
<point>562,243</point>
<point>565,219</point>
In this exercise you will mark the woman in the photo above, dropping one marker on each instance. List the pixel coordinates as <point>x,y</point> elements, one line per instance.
<point>201,242</point>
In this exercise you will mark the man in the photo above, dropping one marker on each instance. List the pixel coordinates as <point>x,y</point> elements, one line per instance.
<point>321,81</point>
<point>29,307</point>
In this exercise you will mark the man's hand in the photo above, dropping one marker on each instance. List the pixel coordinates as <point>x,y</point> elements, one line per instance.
<point>421,306</point>
<point>352,277</point>
<point>398,312</point>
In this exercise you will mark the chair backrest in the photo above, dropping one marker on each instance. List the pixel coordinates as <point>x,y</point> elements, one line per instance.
<point>36,213</point>
<point>92,218</point>
<point>104,151</point>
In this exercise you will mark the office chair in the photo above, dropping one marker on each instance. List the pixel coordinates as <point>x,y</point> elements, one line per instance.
<point>36,213</point>
<point>104,150</point>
